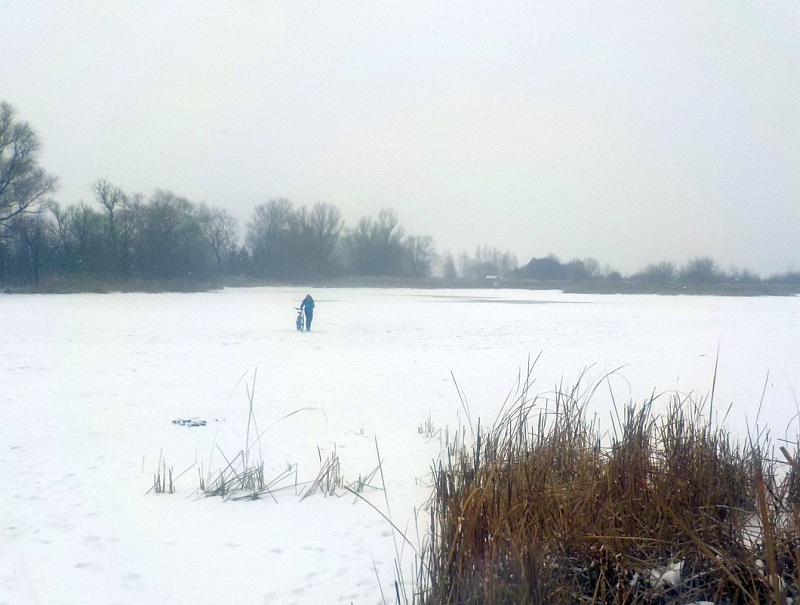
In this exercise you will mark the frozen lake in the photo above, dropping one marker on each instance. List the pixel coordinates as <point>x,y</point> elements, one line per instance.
<point>90,385</point>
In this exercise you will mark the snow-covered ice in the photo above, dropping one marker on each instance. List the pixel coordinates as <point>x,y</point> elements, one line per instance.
<point>90,386</point>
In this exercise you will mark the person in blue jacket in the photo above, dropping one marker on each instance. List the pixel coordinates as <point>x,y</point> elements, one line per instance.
<point>308,307</point>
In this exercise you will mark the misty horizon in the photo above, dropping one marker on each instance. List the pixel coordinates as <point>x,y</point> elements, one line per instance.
<point>632,134</point>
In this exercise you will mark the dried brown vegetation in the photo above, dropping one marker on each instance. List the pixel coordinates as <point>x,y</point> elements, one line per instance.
<point>667,508</point>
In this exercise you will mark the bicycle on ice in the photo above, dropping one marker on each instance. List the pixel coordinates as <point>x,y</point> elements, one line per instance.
<point>300,322</point>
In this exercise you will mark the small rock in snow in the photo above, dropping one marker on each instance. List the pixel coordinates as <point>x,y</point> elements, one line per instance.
<point>189,422</point>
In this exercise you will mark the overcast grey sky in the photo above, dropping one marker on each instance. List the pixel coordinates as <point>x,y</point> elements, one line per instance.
<point>632,132</point>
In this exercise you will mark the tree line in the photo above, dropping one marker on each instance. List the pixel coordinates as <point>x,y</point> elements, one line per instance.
<point>698,270</point>
<point>167,236</point>
<point>124,235</point>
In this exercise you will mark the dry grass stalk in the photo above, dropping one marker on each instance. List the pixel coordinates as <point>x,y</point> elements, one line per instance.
<point>162,480</point>
<point>331,482</point>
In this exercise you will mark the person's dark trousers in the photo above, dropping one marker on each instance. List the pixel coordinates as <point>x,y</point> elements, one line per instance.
<point>309,317</point>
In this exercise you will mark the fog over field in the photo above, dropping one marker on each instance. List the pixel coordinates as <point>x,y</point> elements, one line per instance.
<point>631,133</point>
<point>91,385</point>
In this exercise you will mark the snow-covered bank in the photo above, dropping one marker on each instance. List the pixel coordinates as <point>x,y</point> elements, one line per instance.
<point>90,385</point>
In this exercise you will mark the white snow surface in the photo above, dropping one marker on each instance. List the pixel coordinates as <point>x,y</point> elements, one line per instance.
<point>90,385</point>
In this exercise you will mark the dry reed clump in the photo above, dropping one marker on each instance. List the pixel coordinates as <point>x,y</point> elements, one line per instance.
<point>242,479</point>
<point>331,482</point>
<point>666,509</point>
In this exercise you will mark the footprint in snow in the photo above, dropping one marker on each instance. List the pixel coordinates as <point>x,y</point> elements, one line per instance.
<point>132,581</point>
<point>92,541</point>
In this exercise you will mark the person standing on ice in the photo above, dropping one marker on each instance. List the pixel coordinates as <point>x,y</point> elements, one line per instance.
<point>308,308</point>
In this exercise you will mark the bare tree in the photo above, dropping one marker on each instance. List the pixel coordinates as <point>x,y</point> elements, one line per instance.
<point>27,247</point>
<point>389,231</point>
<point>110,197</point>
<point>700,270</point>
<point>507,263</point>
<point>376,247</point>
<point>299,248</point>
<point>421,256</point>
<point>221,232</point>
<point>592,267</point>
<point>743,276</point>
<point>487,261</point>
<point>38,237</point>
<point>360,246</point>
<point>128,224</point>
<point>23,182</point>
<point>326,226</point>
<point>464,265</point>
<point>79,232</point>
<point>285,242</point>
<point>170,238</point>
<point>388,237</point>
<point>661,273</point>
<point>449,267</point>
<point>270,226</point>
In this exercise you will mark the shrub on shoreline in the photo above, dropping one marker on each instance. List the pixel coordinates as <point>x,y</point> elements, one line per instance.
<point>668,509</point>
